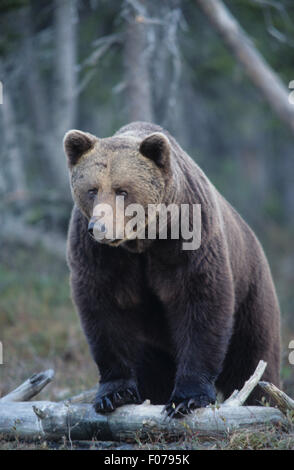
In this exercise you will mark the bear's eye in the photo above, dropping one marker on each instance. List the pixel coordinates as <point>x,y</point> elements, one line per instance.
<point>92,192</point>
<point>121,192</point>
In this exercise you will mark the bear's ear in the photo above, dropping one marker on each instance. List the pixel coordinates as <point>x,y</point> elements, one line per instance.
<point>156,147</point>
<point>76,143</point>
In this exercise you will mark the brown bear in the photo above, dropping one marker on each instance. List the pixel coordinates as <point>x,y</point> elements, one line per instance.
<point>164,323</point>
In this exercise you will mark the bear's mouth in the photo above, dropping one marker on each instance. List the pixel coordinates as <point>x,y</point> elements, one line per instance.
<point>116,242</point>
<point>134,245</point>
<point>106,241</point>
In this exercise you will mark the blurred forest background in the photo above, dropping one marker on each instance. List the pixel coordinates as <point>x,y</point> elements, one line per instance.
<point>96,65</point>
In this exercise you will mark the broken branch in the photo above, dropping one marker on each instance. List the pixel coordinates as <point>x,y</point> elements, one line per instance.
<point>30,387</point>
<point>238,398</point>
<point>258,70</point>
<point>284,402</point>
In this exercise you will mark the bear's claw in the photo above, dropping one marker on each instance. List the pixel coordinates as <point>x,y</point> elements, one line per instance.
<point>177,408</point>
<point>111,401</point>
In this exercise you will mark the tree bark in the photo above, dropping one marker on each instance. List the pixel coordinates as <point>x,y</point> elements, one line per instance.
<point>261,74</point>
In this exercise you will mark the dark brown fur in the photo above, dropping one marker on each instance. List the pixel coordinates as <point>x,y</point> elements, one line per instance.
<point>163,323</point>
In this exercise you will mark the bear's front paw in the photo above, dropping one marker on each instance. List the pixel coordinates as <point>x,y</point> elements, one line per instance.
<point>184,400</point>
<point>111,395</point>
<point>176,408</point>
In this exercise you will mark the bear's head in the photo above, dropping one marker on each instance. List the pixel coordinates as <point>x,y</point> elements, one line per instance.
<point>108,176</point>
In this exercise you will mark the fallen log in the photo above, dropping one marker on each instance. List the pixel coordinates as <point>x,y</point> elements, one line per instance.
<point>55,421</point>
<point>74,420</point>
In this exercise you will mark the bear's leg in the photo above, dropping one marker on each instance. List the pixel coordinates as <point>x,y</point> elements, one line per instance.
<point>201,328</point>
<point>116,356</point>
<point>118,382</point>
<point>256,336</point>
<point>111,335</point>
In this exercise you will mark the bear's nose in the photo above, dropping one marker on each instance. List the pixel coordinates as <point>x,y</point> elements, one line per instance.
<point>99,227</point>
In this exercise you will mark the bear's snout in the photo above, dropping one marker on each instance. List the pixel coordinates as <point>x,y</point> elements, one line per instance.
<point>99,227</point>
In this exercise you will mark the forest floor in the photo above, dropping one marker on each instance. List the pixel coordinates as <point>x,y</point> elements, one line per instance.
<point>39,329</point>
<point>260,439</point>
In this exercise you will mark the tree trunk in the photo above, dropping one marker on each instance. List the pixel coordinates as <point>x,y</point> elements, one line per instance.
<point>138,90</point>
<point>13,156</point>
<point>51,115</point>
<point>38,105</point>
<point>65,97</point>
